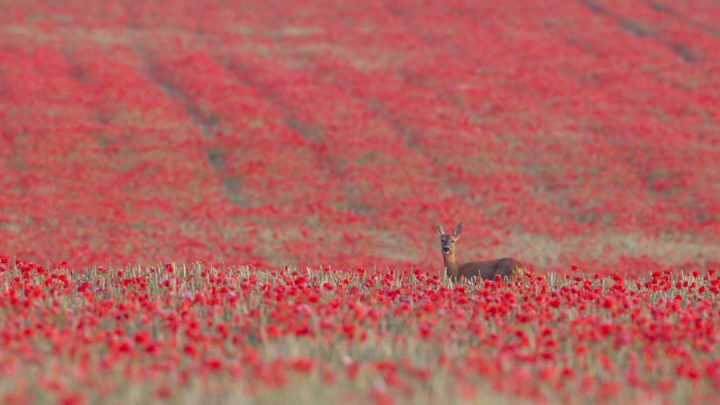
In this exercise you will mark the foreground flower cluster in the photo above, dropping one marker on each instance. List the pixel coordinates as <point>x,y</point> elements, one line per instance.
<point>189,333</point>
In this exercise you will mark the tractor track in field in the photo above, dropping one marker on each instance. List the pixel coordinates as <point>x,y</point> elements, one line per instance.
<point>665,9</point>
<point>640,30</point>
<point>232,188</point>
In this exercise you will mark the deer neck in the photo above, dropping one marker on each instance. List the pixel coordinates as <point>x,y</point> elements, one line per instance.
<point>452,267</point>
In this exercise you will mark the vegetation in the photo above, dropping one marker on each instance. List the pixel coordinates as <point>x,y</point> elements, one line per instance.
<point>253,140</point>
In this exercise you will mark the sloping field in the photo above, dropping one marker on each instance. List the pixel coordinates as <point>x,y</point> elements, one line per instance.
<point>232,202</point>
<point>281,133</point>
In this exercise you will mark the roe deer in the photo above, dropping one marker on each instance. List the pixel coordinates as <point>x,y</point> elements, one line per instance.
<point>506,268</point>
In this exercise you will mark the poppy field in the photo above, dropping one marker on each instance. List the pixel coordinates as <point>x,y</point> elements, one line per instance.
<point>233,202</point>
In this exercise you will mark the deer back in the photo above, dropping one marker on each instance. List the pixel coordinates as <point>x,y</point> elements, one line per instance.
<point>506,268</point>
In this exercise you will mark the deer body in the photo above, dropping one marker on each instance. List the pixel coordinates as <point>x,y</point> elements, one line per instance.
<point>507,268</point>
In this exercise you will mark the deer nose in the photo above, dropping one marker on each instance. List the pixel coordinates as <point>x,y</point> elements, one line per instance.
<point>446,249</point>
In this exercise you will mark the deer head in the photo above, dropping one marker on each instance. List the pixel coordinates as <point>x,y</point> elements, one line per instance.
<point>447,240</point>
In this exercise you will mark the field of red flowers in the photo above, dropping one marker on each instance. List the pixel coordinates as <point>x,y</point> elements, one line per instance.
<point>197,334</point>
<point>294,155</point>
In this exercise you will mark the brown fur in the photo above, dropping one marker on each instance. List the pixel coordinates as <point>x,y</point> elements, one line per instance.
<point>507,268</point>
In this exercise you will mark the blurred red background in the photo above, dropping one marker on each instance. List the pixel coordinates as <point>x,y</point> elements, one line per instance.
<point>335,133</point>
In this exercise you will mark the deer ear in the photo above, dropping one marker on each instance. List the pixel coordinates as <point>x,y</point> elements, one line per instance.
<point>458,230</point>
<point>439,229</point>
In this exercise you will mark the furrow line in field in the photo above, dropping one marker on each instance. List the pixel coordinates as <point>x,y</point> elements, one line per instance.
<point>172,201</point>
<point>705,19</point>
<point>691,43</point>
<point>311,222</point>
<point>279,166</point>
